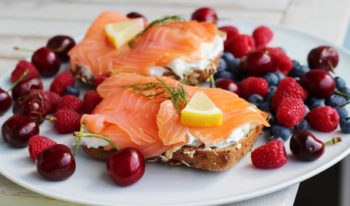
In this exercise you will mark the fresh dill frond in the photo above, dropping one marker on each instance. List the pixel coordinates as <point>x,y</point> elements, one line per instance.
<point>161,89</point>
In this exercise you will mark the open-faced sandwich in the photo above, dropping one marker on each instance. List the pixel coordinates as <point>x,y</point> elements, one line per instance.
<point>185,50</point>
<point>204,128</point>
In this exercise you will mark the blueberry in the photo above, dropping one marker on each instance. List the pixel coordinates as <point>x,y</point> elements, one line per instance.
<point>345,125</point>
<point>280,131</point>
<point>346,90</point>
<point>279,75</point>
<point>336,100</point>
<point>270,92</point>
<point>231,62</point>
<point>72,90</point>
<point>271,78</point>
<point>255,99</point>
<point>298,70</point>
<point>303,125</point>
<point>343,112</point>
<point>223,75</point>
<point>272,137</point>
<point>340,82</point>
<point>314,102</point>
<point>222,65</point>
<point>265,106</point>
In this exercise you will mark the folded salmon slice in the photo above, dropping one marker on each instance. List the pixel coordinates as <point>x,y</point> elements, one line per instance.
<point>95,53</point>
<point>153,124</point>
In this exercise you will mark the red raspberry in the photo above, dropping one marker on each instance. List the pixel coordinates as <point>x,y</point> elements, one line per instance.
<point>91,100</point>
<point>325,118</point>
<point>20,68</point>
<point>270,155</point>
<point>51,100</point>
<point>253,85</point>
<point>231,32</point>
<point>66,121</point>
<point>240,45</point>
<point>290,112</point>
<point>70,102</point>
<point>262,36</point>
<point>288,87</point>
<point>37,144</point>
<point>61,82</point>
<point>280,59</point>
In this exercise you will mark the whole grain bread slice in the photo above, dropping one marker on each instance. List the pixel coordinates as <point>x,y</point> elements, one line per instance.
<point>212,159</point>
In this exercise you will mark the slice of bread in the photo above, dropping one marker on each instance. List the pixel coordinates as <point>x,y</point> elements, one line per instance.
<point>197,157</point>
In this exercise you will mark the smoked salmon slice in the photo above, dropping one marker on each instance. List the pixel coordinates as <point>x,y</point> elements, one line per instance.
<point>129,118</point>
<point>94,54</point>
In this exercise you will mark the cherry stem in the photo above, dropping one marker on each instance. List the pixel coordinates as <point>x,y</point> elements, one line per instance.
<point>331,66</point>
<point>23,49</point>
<point>334,140</point>
<point>81,134</point>
<point>212,81</point>
<point>342,93</point>
<point>23,75</point>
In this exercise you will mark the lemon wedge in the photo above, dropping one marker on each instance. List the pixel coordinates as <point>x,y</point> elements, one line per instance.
<point>201,112</point>
<point>121,32</point>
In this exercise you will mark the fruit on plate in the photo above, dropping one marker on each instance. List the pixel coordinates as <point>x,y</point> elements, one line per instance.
<point>24,87</point>
<point>61,45</point>
<point>5,101</point>
<point>56,163</point>
<point>269,156</point>
<point>319,83</point>
<point>122,32</point>
<point>37,144</point>
<point>305,146</point>
<point>205,14</point>
<point>227,84</point>
<point>61,82</point>
<point>65,121</point>
<point>323,57</point>
<point>17,130</point>
<point>325,119</point>
<point>21,68</point>
<point>32,106</point>
<point>126,166</point>
<point>46,61</point>
<point>201,112</point>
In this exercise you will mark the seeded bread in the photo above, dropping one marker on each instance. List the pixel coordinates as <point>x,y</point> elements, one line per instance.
<point>197,157</point>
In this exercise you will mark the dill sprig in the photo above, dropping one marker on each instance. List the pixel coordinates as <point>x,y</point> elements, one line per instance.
<point>163,20</point>
<point>161,89</point>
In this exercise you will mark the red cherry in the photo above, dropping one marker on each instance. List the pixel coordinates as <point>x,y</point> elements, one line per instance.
<point>56,163</point>
<point>134,15</point>
<point>227,84</point>
<point>318,83</point>
<point>256,63</point>
<point>32,106</point>
<point>305,146</point>
<point>5,101</point>
<point>23,88</point>
<point>323,57</point>
<point>17,130</point>
<point>46,61</point>
<point>205,14</point>
<point>61,44</point>
<point>126,166</point>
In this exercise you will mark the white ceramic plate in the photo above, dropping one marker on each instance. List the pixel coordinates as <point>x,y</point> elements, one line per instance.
<point>165,185</point>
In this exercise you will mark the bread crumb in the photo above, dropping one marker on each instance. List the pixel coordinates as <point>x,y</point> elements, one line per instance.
<point>189,153</point>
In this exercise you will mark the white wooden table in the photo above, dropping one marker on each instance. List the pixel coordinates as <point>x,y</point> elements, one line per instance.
<point>29,23</point>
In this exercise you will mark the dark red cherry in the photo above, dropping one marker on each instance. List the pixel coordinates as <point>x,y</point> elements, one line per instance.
<point>205,14</point>
<point>323,57</point>
<point>46,61</point>
<point>61,44</point>
<point>17,130</point>
<point>318,83</point>
<point>5,101</point>
<point>56,163</point>
<point>23,88</point>
<point>227,84</point>
<point>126,166</point>
<point>32,106</point>
<point>134,15</point>
<point>256,63</point>
<point>305,146</point>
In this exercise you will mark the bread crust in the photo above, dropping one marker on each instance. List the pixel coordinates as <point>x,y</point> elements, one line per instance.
<point>219,159</point>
